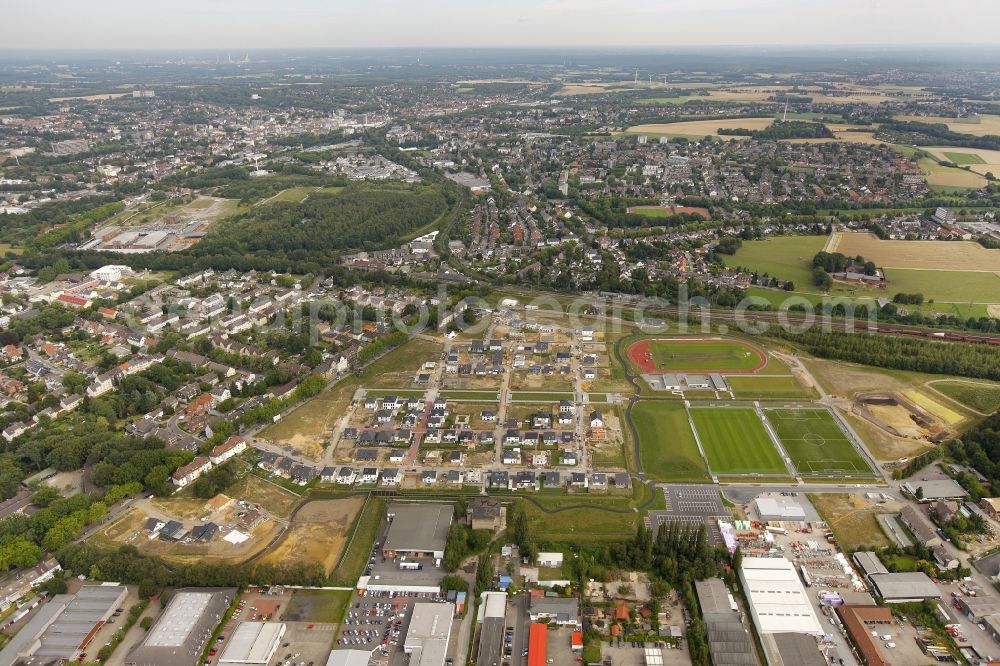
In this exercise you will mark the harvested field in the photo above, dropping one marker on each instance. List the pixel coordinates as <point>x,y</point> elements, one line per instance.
<point>317,534</point>
<point>923,255</point>
<point>702,128</point>
<point>978,126</point>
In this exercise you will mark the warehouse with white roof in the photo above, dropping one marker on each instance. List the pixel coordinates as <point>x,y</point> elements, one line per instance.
<point>778,600</point>
<point>253,643</point>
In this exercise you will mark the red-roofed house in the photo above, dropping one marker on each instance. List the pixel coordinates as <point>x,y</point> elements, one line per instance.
<point>73,301</point>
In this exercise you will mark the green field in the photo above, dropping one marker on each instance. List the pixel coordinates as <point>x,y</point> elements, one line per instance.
<point>767,387</point>
<point>816,444</point>
<point>469,395</point>
<point>666,444</point>
<point>540,396</point>
<point>965,158</point>
<point>784,257</point>
<point>703,355</point>
<point>984,398</point>
<point>736,442</point>
<point>397,392</point>
<point>650,212</point>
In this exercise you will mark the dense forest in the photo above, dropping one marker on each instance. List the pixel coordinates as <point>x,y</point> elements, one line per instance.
<point>884,351</point>
<point>787,129</point>
<point>359,217</point>
<point>979,448</point>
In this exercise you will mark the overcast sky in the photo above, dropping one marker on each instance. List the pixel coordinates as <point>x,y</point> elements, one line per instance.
<point>379,23</point>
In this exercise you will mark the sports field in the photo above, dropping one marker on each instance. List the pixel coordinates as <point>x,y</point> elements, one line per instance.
<point>816,444</point>
<point>667,448</point>
<point>736,442</point>
<point>696,355</point>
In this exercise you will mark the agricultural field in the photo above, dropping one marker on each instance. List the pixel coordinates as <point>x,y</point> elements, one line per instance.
<point>318,533</point>
<point>964,158</point>
<point>945,178</point>
<point>667,447</point>
<point>816,444</point>
<point>920,255</point>
<point>696,355</point>
<point>785,257</point>
<point>978,159</point>
<point>699,129</point>
<point>736,442</point>
<point>982,397</point>
<point>976,126</point>
<point>769,387</point>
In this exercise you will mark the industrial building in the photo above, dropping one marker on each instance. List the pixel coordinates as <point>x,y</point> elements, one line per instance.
<point>538,644</point>
<point>899,588</point>
<point>729,640</point>
<point>491,620</point>
<point>427,636</point>
<point>418,529</point>
<point>778,509</point>
<point>777,598</point>
<point>869,564</point>
<point>253,643</point>
<point>63,627</point>
<point>178,636</point>
<point>557,610</point>
<point>862,621</point>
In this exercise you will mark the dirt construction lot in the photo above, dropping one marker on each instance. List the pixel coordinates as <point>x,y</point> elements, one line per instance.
<point>317,534</point>
<point>927,255</point>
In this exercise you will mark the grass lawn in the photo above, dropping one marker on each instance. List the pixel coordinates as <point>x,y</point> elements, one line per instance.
<point>768,388</point>
<point>947,289</point>
<point>666,444</point>
<point>318,606</point>
<point>736,442</point>
<point>816,444</point>
<point>703,356</point>
<point>362,536</point>
<point>540,396</point>
<point>964,158</point>
<point>984,398</point>
<point>292,195</point>
<point>784,257</point>
<point>648,211</point>
<point>958,286</point>
<point>582,523</point>
<point>488,396</point>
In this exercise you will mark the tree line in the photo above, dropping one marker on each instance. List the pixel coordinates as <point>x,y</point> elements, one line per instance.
<point>899,353</point>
